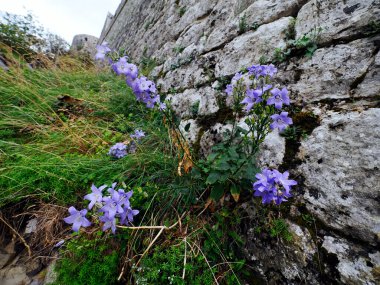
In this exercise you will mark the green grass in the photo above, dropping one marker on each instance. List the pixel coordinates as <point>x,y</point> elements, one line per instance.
<point>54,150</point>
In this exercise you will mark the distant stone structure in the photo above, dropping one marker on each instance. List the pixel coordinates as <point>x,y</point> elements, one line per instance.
<point>84,44</point>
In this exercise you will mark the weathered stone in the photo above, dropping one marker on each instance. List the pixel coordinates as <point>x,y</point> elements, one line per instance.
<point>185,76</point>
<point>191,135</point>
<point>338,19</point>
<point>370,86</point>
<point>341,170</point>
<point>218,33</point>
<point>51,274</point>
<point>278,262</point>
<point>84,44</point>
<point>13,275</point>
<point>272,151</point>
<point>193,10</point>
<point>355,265</point>
<point>193,102</point>
<point>211,137</point>
<point>192,34</point>
<point>31,226</point>
<point>266,11</point>
<point>330,73</point>
<point>248,48</point>
<point>186,104</point>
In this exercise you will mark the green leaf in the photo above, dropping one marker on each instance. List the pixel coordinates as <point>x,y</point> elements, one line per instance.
<point>223,165</point>
<point>233,153</point>
<point>213,177</point>
<point>235,192</point>
<point>217,192</point>
<point>212,156</point>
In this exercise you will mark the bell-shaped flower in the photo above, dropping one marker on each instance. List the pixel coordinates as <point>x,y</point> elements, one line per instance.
<point>101,51</point>
<point>127,216</point>
<point>96,196</point>
<point>280,121</point>
<point>109,222</point>
<point>77,219</point>
<point>278,98</point>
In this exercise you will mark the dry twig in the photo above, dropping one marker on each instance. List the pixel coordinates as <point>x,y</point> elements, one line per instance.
<point>161,228</point>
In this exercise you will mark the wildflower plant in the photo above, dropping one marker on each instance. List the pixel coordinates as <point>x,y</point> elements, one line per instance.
<point>257,105</point>
<point>112,209</point>
<point>120,150</point>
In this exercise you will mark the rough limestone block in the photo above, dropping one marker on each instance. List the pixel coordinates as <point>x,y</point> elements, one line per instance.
<point>331,71</point>
<point>247,49</point>
<point>370,86</point>
<point>266,11</point>
<point>186,76</point>
<point>292,261</point>
<point>213,136</point>
<point>191,135</point>
<point>193,10</point>
<point>338,19</point>
<point>218,32</point>
<point>341,170</point>
<point>193,102</point>
<point>355,265</point>
<point>272,151</point>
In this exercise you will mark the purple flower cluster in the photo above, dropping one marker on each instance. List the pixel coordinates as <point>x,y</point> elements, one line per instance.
<point>260,91</point>
<point>273,185</point>
<point>120,150</point>
<point>102,51</point>
<point>114,208</point>
<point>262,70</point>
<point>144,89</point>
<point>230,87</point>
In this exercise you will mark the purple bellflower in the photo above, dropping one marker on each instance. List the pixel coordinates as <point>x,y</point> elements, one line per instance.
<point>118,150</point>
<point>273,186</point>
<point>279,97</point>
<point>121,66</point>
<point>77,219</point>
<point>109,222</point>
<point>253,97</point>
<point>162,106</point>
<point>229,89</point>
<point>280,121</point>
<point>132,71</point>
<point>101,51</point>
<point>112,205</point>
<point>262,70</point>
<point>96,195</point>
<point>138,134</point>
<point>127,216</point>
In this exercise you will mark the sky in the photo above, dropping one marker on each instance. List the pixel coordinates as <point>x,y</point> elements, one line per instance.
<point>65,18</point>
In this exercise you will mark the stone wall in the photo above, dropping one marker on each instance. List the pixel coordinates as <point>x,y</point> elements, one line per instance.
<point>199,44</point>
